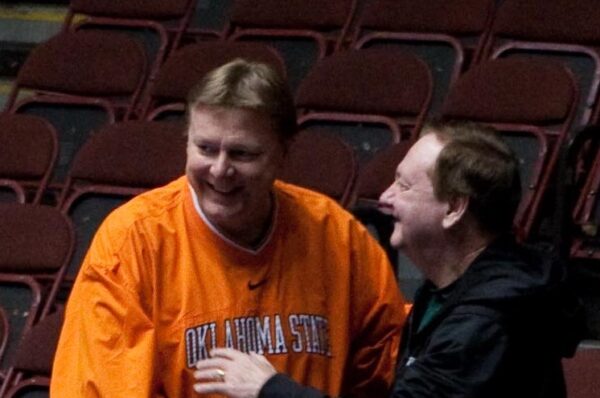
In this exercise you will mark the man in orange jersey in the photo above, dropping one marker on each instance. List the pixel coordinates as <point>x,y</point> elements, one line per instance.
<point>227,256</point>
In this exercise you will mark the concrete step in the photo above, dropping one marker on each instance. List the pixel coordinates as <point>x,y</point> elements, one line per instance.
<point>30,23</point>
<point>22,26</point>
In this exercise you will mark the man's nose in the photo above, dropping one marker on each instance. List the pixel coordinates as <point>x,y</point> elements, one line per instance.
<point>221,165</point>
<point>386,200</point>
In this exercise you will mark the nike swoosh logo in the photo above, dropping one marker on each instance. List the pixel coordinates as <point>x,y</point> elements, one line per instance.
<point>252,286</point>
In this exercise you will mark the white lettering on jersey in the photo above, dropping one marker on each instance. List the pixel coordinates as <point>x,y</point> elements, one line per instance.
<point>304,333</point>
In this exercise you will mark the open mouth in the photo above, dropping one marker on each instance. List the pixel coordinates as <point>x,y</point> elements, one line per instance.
<point>230,191</point>
<point>385,208</point>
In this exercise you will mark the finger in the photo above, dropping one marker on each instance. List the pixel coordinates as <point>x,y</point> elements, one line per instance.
<point>227,353</point>
<point>211,388</point>
<point>256,355</point>
<point>209,374</point>
<point>211,363</point>
<point>257,358</point>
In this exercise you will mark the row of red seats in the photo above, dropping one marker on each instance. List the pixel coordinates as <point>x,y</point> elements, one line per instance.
<point>526,98</point>
<point>381,86</point>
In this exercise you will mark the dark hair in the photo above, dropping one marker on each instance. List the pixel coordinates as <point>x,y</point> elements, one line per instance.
<point>476,162</point>
<point>251,85</point>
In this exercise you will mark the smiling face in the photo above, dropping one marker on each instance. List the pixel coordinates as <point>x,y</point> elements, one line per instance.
<point>418,214</point>
<point>233,155</point>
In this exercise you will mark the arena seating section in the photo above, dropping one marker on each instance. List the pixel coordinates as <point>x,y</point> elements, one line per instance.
<point>96,115</point>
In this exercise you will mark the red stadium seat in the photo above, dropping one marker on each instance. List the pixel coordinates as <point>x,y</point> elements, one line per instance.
<point>460,25</point>
<point>321,161</point>
<point>29,151</point>
<point>371,87</point>
<point>527,99</point>
<point>188,65</point>
<point>117,162</point>
<point>561,30</point>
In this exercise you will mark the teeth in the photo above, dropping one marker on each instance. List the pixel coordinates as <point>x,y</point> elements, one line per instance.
<point>224,191</point>
<point>385,209</point>
<point>218,190</point>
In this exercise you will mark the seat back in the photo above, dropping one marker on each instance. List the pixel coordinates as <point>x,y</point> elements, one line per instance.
<point>365,88</point>
<point>534,98</point>
<point>78,67</point>
<point>29,148</point>
<point>77,81</point>
<point>167,20</point>
<point>303,31</point>
<point>560,30</point>
<point>118,162</point>
<point>36,241</point>
<point>582,372</point>
<point>187,66</point>
<point>321,161</point>
<point>32,365</point>
<point>443,33</point>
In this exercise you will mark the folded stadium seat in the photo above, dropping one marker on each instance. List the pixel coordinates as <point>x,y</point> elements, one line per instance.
<point>561,30</point>
<point>21,298</point>
<point>582,372</point>
<point>533,102</point>
<point>29,148</point>
<point>321,161</point>
<point>117,162</point>
<point>187,66</point>
<point>304,31</point>
<point>78,81</point>
<point>85,67</point>
<point>587,216</point>
<point>166,19</point>
<point>36,241</point>
<point>378,96</point>
<point>581,221</point>
<point>30,370</point>
<point>443,33</point>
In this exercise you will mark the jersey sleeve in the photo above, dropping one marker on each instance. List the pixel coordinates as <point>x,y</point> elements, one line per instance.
<point>378,316</point>
<point>106,347</point>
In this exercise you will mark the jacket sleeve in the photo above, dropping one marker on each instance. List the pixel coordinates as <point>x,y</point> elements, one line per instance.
<point>462,356</point>
<point>281,386</point>
<point>106,347</point>
<point>378,314</point>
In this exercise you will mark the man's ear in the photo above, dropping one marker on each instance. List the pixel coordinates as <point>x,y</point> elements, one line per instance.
<point>457,208</point>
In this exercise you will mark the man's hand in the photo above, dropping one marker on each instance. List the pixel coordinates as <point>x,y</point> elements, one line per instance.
<point>232,373</point>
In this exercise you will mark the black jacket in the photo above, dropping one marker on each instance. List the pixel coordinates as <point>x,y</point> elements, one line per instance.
<point>501,332</point>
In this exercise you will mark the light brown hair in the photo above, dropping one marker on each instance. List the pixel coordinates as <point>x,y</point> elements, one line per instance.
<point>251,85</point>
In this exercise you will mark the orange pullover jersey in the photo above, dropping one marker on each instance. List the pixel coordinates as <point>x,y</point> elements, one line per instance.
<point>159,287</point>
